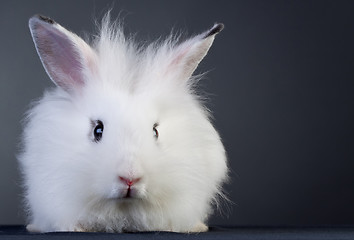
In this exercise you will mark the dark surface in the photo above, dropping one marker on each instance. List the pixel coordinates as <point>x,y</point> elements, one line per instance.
<point>232,233</point>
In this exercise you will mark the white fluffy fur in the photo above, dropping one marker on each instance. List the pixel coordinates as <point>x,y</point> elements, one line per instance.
<point>72,182</point>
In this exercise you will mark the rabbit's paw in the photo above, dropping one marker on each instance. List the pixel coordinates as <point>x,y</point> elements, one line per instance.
<point>32,228</point>
<point>200,227</point>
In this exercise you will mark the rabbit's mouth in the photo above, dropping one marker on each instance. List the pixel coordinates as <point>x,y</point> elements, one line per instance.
<point>129,193</point>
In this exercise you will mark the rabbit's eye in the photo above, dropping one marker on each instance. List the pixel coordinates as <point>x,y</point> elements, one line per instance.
<point>98,131</point>
<point>154,129</point>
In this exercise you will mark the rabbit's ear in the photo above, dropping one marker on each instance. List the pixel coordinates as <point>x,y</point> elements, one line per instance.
<point>66,58</point>
<point>187,56</point>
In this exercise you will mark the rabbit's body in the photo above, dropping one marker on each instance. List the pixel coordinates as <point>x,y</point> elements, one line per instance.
<point>122,143</point>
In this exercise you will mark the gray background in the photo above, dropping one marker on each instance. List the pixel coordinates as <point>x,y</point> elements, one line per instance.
<point>281,85</point>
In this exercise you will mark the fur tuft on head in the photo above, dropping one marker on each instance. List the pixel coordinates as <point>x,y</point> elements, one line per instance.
<point>122,143</point>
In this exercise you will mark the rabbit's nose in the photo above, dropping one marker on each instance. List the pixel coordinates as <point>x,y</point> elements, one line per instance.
<point>129,181</point>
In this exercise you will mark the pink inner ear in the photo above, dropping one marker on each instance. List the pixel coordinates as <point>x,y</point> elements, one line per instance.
<point>61,57</point>
<point>178,59</point>
<point>182,53</point>
<point>186,59</point>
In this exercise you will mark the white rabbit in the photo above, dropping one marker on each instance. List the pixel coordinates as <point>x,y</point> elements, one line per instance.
<point>122,143</point>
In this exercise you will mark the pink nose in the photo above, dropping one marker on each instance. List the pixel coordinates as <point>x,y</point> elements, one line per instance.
<point>129,181</point>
